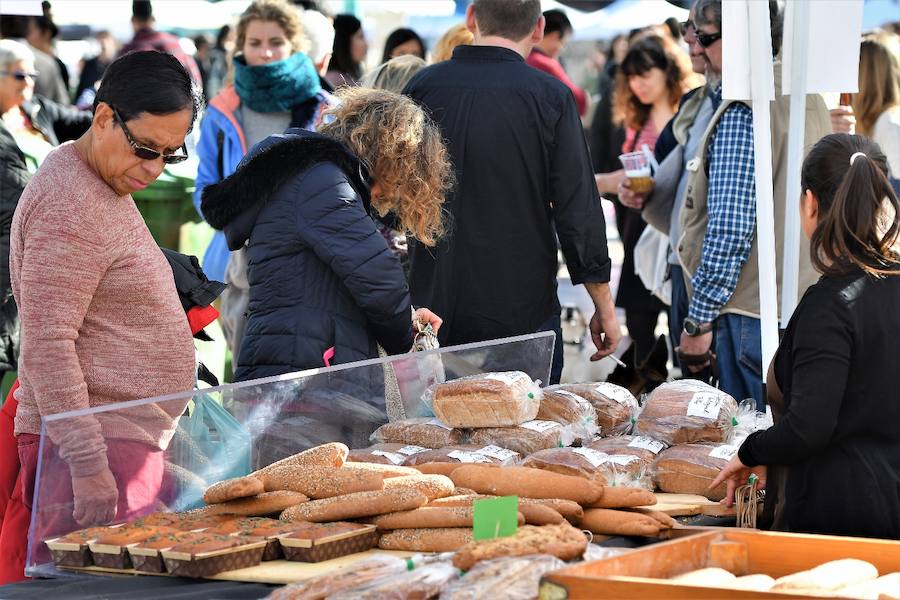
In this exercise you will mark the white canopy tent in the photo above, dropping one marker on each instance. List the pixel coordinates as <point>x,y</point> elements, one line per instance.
<point>618,17</point>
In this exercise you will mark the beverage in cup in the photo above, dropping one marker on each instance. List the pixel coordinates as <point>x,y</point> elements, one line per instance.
<point>637,169</point>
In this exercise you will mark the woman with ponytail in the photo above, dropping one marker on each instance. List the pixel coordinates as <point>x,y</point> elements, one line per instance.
<point>836,443</point>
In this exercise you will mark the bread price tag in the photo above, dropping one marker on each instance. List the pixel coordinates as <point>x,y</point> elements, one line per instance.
<point>509,378</point>
<point>397,459</point>
<point>616,393</point>
<point>540,426</point>
<point>623,460</point>
<point>410,450</point>
<point>595,457</point>
<point>501,454</point>
<point>647,443</point>
<point>439,424</point>
<point>725,452</point>
<point>706,405</point>
<point>468,457</point>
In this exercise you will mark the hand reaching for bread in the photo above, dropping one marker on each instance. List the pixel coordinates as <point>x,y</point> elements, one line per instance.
<point>736,474</point>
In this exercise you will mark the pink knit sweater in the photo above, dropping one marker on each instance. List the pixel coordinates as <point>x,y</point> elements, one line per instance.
<point>101,319</point>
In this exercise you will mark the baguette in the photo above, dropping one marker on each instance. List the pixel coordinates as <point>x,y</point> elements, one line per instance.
<point>232,489</point>
<point>538,514</point>
<point>432,486</point>
<point>267,503</point>
<point>572,511</point>
<point>430,517</point>
<point>386,471</point>
<point>562,541</point>
<point>321,482</point>
<point>459,500</point>
<point>617,522</point>
<point>527,483</point>
<point>624,497</point>
<point>355,506</point>
<point>665,521</point>
<point>327,455</point>
<point>448,539</point>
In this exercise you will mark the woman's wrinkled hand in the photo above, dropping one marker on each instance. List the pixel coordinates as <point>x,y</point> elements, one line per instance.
<point>426,317</point>
<point>736,474</point>
<point>96,497</point>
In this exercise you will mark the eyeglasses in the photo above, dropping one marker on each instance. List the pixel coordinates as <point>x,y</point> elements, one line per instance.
<point>21,75</point>
<point>704,39</point>
<point>145,153</point>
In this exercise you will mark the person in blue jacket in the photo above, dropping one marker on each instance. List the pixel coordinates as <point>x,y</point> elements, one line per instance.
<point>275,86</point>
<point>324,287</point>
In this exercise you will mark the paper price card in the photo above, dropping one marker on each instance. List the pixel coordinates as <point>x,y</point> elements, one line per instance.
<point>410,450</point>
<point>724,452</point>
<point>397,459</point>
<point>495,518</point>
<point>497,452</point>
<point>647,443</point>
<point>540,426</point>
<point>706,405</point>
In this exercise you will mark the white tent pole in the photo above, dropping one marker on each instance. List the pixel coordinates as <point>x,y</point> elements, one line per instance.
<point>761,81</point>
<point>799,60</point>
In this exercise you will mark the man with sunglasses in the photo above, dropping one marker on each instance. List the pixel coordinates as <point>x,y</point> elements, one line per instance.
<point>716,244</point>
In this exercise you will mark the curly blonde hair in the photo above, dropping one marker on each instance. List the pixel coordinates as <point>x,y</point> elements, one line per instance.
<point>403,150</point>
<point>278,11</point>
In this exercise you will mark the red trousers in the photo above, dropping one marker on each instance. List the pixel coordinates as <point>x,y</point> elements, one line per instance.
<point>136,467</point>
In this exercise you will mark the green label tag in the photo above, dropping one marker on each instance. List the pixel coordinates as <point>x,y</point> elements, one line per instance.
<point>496,517</point>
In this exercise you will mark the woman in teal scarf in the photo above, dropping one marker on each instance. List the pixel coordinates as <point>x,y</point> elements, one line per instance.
<point>275,86</point>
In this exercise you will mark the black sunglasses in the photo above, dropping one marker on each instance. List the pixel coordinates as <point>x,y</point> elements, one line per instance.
<point>145,153</point>
<point>704,39</point>
<point>21,75</point>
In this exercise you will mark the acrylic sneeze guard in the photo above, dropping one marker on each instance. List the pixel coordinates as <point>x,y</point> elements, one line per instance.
<point>227,431</point>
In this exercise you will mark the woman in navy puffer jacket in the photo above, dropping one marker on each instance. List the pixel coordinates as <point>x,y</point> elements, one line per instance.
<point>324,287</point>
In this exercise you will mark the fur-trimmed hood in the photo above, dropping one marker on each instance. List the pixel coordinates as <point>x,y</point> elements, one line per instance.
<point>234,203</point>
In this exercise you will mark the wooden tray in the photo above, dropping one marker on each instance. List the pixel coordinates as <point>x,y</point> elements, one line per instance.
<point>644,573</point>
<point>688,505</point>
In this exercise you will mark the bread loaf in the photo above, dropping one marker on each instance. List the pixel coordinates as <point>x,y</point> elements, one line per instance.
<point>491,400</point>
<point>690,468</point>
<point>448,539</point>
<point>260,505</point>
<point>386,471</point>
<point>526,439</point>
<point>538,514</point>
<point>710,577</point>
<point>606,521</point>
<point>327,455</point>
<point>562,541</point>
<point>432,486</point>
<point>886,586</point>
<point>424,432</point>
<point>624,497</point>
<point>570,409</point>
<point>585,462</point>
<point>385,454</point>
<point>526,483</point>
<point>827,577</point>
<point>516,577</point>
<point>687,411</point>
<point>644,448</point>
<point>615,406</point>
<point>356,506</point>
<point>321,482</point>
<point>232,489</point>
<point>463,454</point>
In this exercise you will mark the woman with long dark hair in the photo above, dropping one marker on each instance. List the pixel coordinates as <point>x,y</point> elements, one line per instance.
<point>402,42</point>
<point>836,440</point>
<point>350,48</point>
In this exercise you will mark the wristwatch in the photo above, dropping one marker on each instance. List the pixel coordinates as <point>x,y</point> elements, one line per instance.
<point>693,329</point>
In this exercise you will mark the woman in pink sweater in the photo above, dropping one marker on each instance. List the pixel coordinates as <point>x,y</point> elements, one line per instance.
<point>101,319</point>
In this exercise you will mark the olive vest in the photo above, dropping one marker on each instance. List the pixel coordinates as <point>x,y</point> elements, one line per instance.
<point>694,216</point>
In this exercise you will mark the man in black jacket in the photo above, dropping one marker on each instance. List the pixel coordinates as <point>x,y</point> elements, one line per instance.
<point>524,174</point>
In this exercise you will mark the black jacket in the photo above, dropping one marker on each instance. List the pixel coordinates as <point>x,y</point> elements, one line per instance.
<point>58,123</point>
<point>524,174</point>
<point>14,176</point>
<point>320,274</point>
<point>839,438</point>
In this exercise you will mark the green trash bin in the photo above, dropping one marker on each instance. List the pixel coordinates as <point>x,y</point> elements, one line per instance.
<point>166,204</point>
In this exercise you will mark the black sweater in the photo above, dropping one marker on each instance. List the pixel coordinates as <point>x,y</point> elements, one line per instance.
<point>840,435</point>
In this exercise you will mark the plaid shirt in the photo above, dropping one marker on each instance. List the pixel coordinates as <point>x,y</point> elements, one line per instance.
<point>731,206</point>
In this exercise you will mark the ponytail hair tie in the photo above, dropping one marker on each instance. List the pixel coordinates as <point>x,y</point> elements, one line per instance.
<point>854,155</point>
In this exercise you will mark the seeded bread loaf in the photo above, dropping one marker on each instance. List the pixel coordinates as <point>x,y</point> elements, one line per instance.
<point>526,439</point>
<point>562,541</point>
<point>327,455</point>
<point>501,399</point>
<point>445,539</point>
<point>644,448</point>
<point>424,432</point>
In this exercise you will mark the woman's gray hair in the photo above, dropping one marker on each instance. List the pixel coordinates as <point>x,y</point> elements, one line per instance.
<point>708,12</point>
<point>12,52</point>
<point>394,74</point>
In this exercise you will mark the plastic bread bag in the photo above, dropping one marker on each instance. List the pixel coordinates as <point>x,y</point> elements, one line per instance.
<point>616,407</point>
<point>421,583</point>
<point>625,477</point>
<point>406,379</point>
<point>625,470</point>
<point>527,438</point>
<point>644,448</point>
<point>690,468</point>
<point>425,432</point>
<point>595,552</point>
<point>466,454</point>
<point>510,578</point>
<point>366,570</point>
<point>687,411</point>
<point>748,420</point>
<point>570,409</point>
<point>500,399</point>
<point>385,454</point>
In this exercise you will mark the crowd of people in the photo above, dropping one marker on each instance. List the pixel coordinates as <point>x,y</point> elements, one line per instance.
<point>438,189</point>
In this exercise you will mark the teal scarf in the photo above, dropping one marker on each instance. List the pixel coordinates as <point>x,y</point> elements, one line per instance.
<point>278,86</point>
